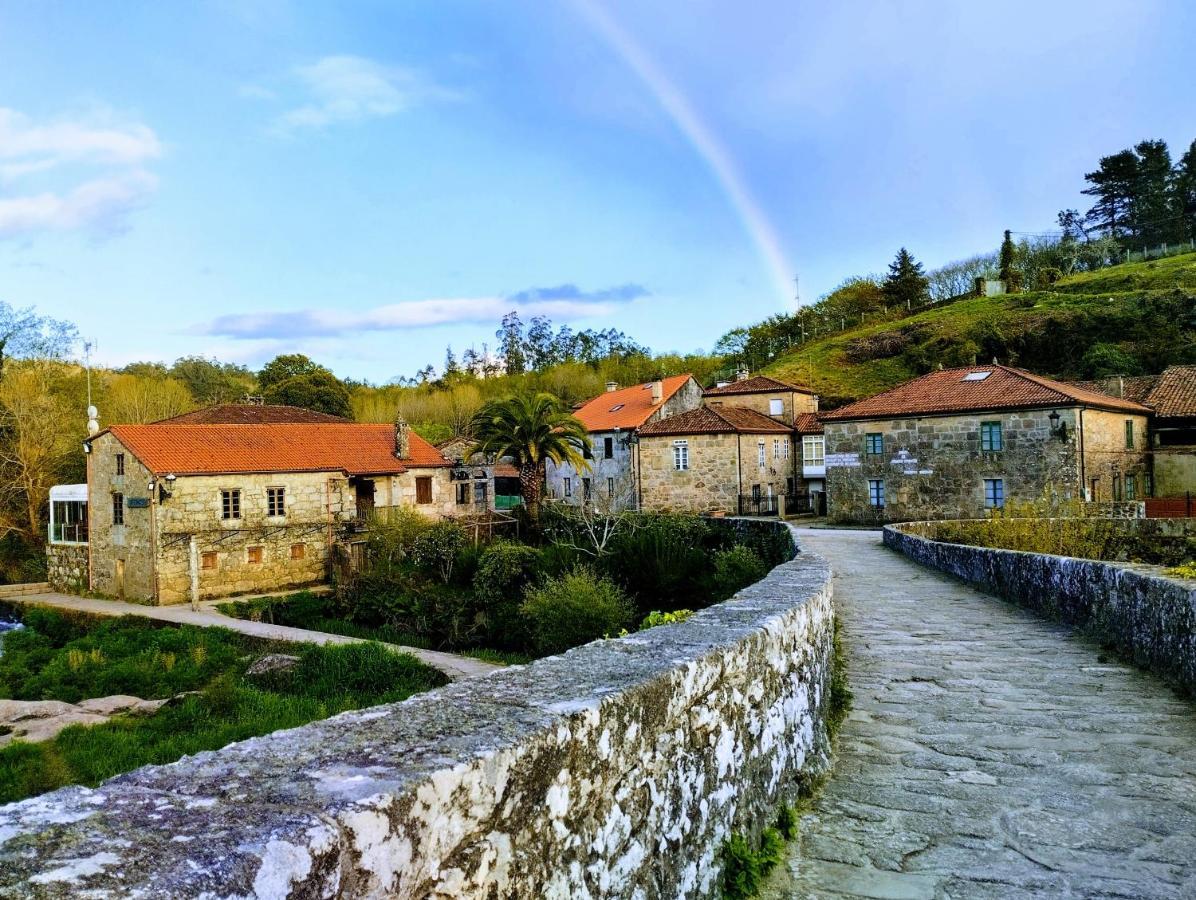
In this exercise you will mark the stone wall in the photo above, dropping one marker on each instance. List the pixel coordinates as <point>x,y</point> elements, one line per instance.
<point>618,769</point>
<point>1109,460</point>
<point>1148,618</point>
<point>933,468</point>
<point>710,484</point>
<point>793,403</point>
<point>1174,471</point>
<point>122,556</point>
<point>66,567</point>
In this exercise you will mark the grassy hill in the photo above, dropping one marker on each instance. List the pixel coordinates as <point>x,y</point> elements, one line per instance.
<point>1126,319</point>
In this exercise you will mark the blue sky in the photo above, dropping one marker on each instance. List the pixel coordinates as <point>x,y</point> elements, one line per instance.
<point>368,182</point>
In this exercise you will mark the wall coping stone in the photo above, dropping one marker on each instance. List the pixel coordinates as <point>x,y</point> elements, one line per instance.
<point>616,769</point>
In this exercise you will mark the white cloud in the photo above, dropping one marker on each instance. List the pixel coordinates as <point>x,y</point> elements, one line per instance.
<point>96,201</point>
<point>353,88</point>
<point>101,205</point>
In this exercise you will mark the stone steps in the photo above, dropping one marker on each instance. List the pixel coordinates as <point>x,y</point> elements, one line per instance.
<point>23,590</point>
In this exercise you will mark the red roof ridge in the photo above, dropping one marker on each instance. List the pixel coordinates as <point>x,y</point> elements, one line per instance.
<point>633,402</point>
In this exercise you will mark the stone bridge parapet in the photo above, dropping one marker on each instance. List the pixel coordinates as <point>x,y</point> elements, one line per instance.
<point>618,769</point>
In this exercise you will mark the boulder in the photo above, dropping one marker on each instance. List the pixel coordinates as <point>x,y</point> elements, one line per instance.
<point>275,662</point>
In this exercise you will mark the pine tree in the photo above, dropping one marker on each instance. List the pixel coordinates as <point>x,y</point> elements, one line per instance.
<point>1009,272</point>
<point>1154,217</point>
<point>451,366</point>
<point>1184,192</point>
<point>511,347</point>
<point>906,284</point>
<point>1113,185</point>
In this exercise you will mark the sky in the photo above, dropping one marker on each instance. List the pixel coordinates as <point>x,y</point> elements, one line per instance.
<point>369,182</point>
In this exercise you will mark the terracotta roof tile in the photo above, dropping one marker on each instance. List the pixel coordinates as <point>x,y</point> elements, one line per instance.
<point>808,423</point>
<point>1127,387</point>
<point>248,414</point>
<point>350,447</point>
<point>626,408</point>
<point>759,384</point>
<point>952,390</point>
<point>716,420</point>
<point>1174,395</point>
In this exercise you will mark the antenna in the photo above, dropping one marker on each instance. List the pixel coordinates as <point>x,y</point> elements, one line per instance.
<point>93,414</point>
<point>796,292</point>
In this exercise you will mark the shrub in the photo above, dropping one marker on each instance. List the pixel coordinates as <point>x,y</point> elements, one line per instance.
<point>435,549</point>
<point>504,572</point>
<point>734,569</point>
<point>662,561</point>
<point>655,618</point>
<point>574,609</point>
<point>744,866</point>
<point>1187,570</point>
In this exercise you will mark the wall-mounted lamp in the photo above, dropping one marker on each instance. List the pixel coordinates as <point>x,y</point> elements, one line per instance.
<point>87,447</point>
<point>1058,427</point>
<point>163,493</point>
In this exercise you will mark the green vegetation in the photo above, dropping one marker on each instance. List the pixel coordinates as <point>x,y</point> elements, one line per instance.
<point>1186,570</point>
<point>840,699</point>
<point>745,866</point>
<point>574,608</point>
<point>655,618</point>
<point>57,657</point>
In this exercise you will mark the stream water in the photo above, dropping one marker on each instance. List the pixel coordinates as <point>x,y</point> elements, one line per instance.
<point>8,622</point>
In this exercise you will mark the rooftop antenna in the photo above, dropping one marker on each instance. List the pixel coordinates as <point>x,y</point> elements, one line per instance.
<point>93,414</point>
<point>796,292</point>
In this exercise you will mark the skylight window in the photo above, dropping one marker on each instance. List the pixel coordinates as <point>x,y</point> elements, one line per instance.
<point>976,376</point>
<point>616,407</point>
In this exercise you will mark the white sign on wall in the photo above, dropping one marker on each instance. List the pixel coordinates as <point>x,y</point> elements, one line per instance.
<point>842,460</point>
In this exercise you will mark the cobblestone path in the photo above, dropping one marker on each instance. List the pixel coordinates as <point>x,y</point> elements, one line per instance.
<point>990,753</point>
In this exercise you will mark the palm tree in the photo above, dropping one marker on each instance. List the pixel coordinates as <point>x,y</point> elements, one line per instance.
<point>530,429</point>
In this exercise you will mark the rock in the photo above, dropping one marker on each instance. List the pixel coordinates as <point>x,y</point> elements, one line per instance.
<point>107,706</point>
<point>275,662</point>
<point>41,720</point>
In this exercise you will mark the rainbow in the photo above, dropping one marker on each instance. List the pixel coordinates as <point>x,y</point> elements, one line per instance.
<point>678,108</point>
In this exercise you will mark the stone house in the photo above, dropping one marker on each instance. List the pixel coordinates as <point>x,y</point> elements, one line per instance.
<point>770,396</point>
<point>250,500</point>
<point>613,419</point>
<point>811,450</point>
<point>1171,397</point>
<point>716,459</point>
<point>958,442</point>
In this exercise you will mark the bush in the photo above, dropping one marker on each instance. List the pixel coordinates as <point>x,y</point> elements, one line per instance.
<point>662,562</point>
<point>655,618</point>
<point>734,569</point>
<point>504,572</point>
<point>574,609</point>
<point>435,549</point>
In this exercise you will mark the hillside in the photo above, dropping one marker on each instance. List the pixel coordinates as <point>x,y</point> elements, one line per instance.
<point>1132,318</point>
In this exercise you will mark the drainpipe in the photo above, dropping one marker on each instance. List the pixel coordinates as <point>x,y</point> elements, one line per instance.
<point>193,567</point>
<point>738,469</point>
<point>1083,472</point>
<point>639,483</point>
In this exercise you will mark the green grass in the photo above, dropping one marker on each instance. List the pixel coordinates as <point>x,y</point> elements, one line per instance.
<point>1143,308</point>
<point>57,658</point>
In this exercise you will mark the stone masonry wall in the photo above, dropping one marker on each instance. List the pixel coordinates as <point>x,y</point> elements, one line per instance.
<point>1107,458</point>
<point>618,769</point>
<point>933,467</point>
<point>793,403</point>
<point>122,557</point>
<point>709,485</point>
<point>1149,618</point>
<point>66,567</point>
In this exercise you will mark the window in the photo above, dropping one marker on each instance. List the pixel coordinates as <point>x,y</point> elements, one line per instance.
<point>423,490</point>
<point>776,448</point>
<point>208,559</point>
<point>976,376</point>
<point>776,407</point>
<point>610,487</point>
<point>68,522</point>
<point>994,493</point>
<point>813,448</point>
<point>1147,485</point>
<point>568,487</point>
<point>874,444</point>
<point>608,448</point>
<point>1117,487</point>
<point>1131,487</point>
<point>761,456</point>
<point>785,448</point>
<point>1129,434</point>
<point>230,504</point>
<point>680,455</point>
<point>255,555</point>
<point>587,450</point>
<point>616,407</point>
<point>586,491</point>
<point>876,493</point>
<point>991,438</point>
<point>120,464</point>
<point>298,551</point>
<point>462,493</point>
<point>481,493</point>
<point>276,501</point>
<point>118,508</point>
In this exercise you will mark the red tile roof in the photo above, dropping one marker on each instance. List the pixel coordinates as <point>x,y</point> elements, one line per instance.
<point>949,390</point>
<point>759,384</point>
<point>1127,387</point>
<point>248,414</point>
<point>350,447</point>
<point>715,420</point>
<point>808,423</point>
<point>1174,393</point>
<point>628,407</point>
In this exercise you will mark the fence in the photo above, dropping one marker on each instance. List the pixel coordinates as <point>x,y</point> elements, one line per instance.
<point>769,505</point>
<point>1159,252</point>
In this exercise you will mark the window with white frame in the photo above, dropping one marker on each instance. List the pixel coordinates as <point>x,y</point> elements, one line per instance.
<point>680,455</point>
<point>813,450</point>
<point>785,448</point>
<point>776,448</point>
<point>761,456</point>
<point>776,407</point>
<point>68,521</point>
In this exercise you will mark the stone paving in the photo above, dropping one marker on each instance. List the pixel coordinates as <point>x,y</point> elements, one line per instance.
<point>452,665</point>
<point>990,753</point>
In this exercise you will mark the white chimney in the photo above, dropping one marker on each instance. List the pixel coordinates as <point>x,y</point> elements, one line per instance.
<point>612,386</point>
<point>657,392</point>
<point>742,375</point>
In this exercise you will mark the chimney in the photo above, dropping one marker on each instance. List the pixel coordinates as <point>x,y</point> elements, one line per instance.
<point>402,438</point>
<point>657,392</point>
<point>742,375</point>
<point>612,386</point>
<point>1121,386</point>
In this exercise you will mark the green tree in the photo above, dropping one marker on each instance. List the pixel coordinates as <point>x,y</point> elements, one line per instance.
<point>210,381</point>
<point>1155,218</point>
<point>319,390</point>
<point>1009,272</point>
<point>284,367</point>
<point>531,429</point>
<point>1184,192</point>
<point>906,284</point>
<point>1113,184</point>
<point>25,334</point>
<point>510,346</point>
